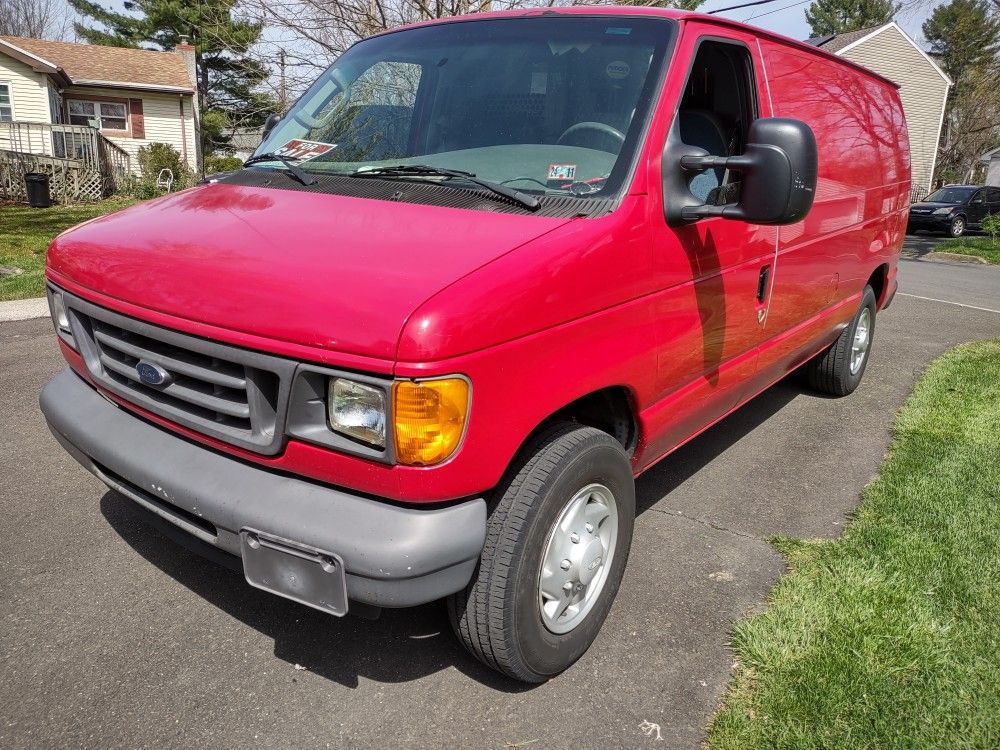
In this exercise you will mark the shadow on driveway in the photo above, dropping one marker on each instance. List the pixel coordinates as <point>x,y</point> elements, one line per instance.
<point>402,645</point>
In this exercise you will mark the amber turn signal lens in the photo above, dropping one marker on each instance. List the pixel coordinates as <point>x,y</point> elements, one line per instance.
<point>429,417</point>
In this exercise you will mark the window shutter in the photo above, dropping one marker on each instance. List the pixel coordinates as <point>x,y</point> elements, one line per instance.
<point>135,118</point>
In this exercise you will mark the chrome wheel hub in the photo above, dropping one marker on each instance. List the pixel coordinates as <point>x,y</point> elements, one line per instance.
<point>577,558</point>
<point>862,340</point>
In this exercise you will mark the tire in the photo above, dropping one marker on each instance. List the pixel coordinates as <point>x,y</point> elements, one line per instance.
<point>499,617</point>
<point>957,227</point>
<point>837,371</point>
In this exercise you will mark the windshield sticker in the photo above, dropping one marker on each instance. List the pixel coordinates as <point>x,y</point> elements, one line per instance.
<point>618,69</point>
<point>304,150</point>
<point>562,172</point>
<point>618,30</point>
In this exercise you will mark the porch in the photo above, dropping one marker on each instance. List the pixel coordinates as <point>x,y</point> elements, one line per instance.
<point>81,163</point>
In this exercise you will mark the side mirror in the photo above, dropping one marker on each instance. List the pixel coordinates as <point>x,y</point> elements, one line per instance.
<point>778,169</point>
<point>269,124</point>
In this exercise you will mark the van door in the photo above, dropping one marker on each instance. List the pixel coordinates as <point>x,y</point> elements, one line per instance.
<point>715,274</point>
<point>863,179</point>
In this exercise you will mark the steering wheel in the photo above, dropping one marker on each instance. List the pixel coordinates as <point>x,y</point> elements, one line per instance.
<point>594,127</point>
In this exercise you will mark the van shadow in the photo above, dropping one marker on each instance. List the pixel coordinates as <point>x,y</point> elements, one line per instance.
<point>402,645</point>
<point>666,476</point>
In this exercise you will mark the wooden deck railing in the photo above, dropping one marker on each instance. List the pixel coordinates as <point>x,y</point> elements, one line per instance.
<point>82,163</point>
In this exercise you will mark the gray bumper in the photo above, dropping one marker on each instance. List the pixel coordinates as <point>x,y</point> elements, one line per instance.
<point>394,556</point>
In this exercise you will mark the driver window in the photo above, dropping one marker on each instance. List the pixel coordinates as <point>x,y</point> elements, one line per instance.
<point>977,198</point>
<point>715,113</point>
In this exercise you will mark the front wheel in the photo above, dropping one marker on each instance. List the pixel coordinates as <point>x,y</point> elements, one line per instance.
<point>957,226</point>
<point>838,370</point>
<point>556,547</point>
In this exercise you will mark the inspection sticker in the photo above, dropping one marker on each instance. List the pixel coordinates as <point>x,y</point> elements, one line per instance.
<point>304,150</point>
<point>562,172</point>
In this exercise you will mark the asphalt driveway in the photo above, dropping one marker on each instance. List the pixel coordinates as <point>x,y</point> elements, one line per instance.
<point>112,635</point>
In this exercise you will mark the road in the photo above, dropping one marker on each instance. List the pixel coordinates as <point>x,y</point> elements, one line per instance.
<point>113,636</point>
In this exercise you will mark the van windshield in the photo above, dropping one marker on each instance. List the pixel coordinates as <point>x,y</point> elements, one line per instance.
<point>551,105</point>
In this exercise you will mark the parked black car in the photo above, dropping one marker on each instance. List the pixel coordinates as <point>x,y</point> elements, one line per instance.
<point>954,208</point>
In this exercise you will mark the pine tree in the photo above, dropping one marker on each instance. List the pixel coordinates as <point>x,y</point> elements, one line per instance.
<point>965,34</point>
<point>828,17</point>
<point>229,77</point>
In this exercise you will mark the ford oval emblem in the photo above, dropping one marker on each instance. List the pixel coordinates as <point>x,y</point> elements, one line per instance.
<point>151,373</point>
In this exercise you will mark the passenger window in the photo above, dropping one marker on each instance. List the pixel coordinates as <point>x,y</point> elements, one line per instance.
<point>977,198</point>
<point>715,113</point>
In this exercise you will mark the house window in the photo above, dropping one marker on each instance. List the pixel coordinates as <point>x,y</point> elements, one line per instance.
<point>100,115</point>
<point>6,106</point>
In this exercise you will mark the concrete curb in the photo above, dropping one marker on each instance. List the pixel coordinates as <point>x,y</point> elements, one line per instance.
<point>945,257</point>
<point>24,309</point>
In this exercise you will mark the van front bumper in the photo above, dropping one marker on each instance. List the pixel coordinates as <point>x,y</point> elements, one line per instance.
<point>393,556</point>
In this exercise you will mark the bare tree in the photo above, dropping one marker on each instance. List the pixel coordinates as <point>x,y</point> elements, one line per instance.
<point>972,125</point>
<point>40,19</point>
<point>306,35</point>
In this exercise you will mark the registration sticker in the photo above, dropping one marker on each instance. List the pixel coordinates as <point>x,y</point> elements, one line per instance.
<point>562,172</point>
<point>304,150</point>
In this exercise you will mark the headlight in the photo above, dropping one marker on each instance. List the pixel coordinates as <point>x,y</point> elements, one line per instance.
<point>429,418</point>
<point>357,411</point>
<point>943,211</point>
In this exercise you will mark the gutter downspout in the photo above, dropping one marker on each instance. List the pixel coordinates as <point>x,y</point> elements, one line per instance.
<point>184,138</point>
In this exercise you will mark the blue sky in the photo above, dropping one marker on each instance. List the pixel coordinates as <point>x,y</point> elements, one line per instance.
<point>788,17</point>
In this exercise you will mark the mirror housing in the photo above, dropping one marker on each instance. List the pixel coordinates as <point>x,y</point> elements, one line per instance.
<point>272,120</point>
<point>779,175</point>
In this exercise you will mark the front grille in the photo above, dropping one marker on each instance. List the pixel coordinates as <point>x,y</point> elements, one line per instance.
<point>236,395</point>
<point>209,387</point>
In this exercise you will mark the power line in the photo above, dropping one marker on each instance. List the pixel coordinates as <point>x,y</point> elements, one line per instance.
<point>778,10</point>
<point>737,7</point>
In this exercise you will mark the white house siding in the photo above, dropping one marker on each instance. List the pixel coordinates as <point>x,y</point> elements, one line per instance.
<point>921,88</point>
<point>993,171</point>
<point>29,95</point>
<point>161,117</point>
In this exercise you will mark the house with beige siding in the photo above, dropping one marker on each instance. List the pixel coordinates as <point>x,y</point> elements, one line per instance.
<point>923,88</point>
<point>62,102</point>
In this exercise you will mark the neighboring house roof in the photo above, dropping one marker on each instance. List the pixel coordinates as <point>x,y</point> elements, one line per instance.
<point>840,43</point>
<point>993,153</point>
<point>95,65</point>
<point>837,42</point>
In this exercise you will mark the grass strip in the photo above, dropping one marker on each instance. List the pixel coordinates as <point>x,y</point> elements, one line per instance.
<point>889,637</point>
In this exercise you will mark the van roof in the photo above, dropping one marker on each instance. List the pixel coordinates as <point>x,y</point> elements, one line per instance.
<point>632,10</point>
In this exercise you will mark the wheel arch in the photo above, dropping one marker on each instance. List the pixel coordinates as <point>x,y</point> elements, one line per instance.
<point>611,409</point>
<point>879,282</point>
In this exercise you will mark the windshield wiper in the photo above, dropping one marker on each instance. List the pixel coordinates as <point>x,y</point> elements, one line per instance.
<point>422,170</point>
<point>304,177</point>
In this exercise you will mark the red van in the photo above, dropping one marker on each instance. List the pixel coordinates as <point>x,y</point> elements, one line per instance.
<point>483,273</point>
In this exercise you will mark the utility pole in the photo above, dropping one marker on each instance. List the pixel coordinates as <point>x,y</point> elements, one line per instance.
<point>282,90</point>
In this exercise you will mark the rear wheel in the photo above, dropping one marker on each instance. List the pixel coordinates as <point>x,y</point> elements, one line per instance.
<point>839,369</point>
<point>556,547</point>
<point>957,227</point>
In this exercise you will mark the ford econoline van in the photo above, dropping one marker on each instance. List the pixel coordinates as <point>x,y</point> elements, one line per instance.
<point>484,273</point>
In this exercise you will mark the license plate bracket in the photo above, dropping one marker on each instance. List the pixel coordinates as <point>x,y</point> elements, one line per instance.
<point>296,571</point>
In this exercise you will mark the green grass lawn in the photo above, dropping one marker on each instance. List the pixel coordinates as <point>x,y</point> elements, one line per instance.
<point>890,636</point>
<point>25,234</point>
<point>983,247</point>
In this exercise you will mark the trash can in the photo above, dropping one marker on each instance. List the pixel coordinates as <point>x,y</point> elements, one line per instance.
<point>36,185</point>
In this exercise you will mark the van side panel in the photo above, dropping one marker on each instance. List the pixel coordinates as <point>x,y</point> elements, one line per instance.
<point>857,222</point>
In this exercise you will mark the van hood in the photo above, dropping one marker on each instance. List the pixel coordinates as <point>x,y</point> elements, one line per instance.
<point>329,271</point>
